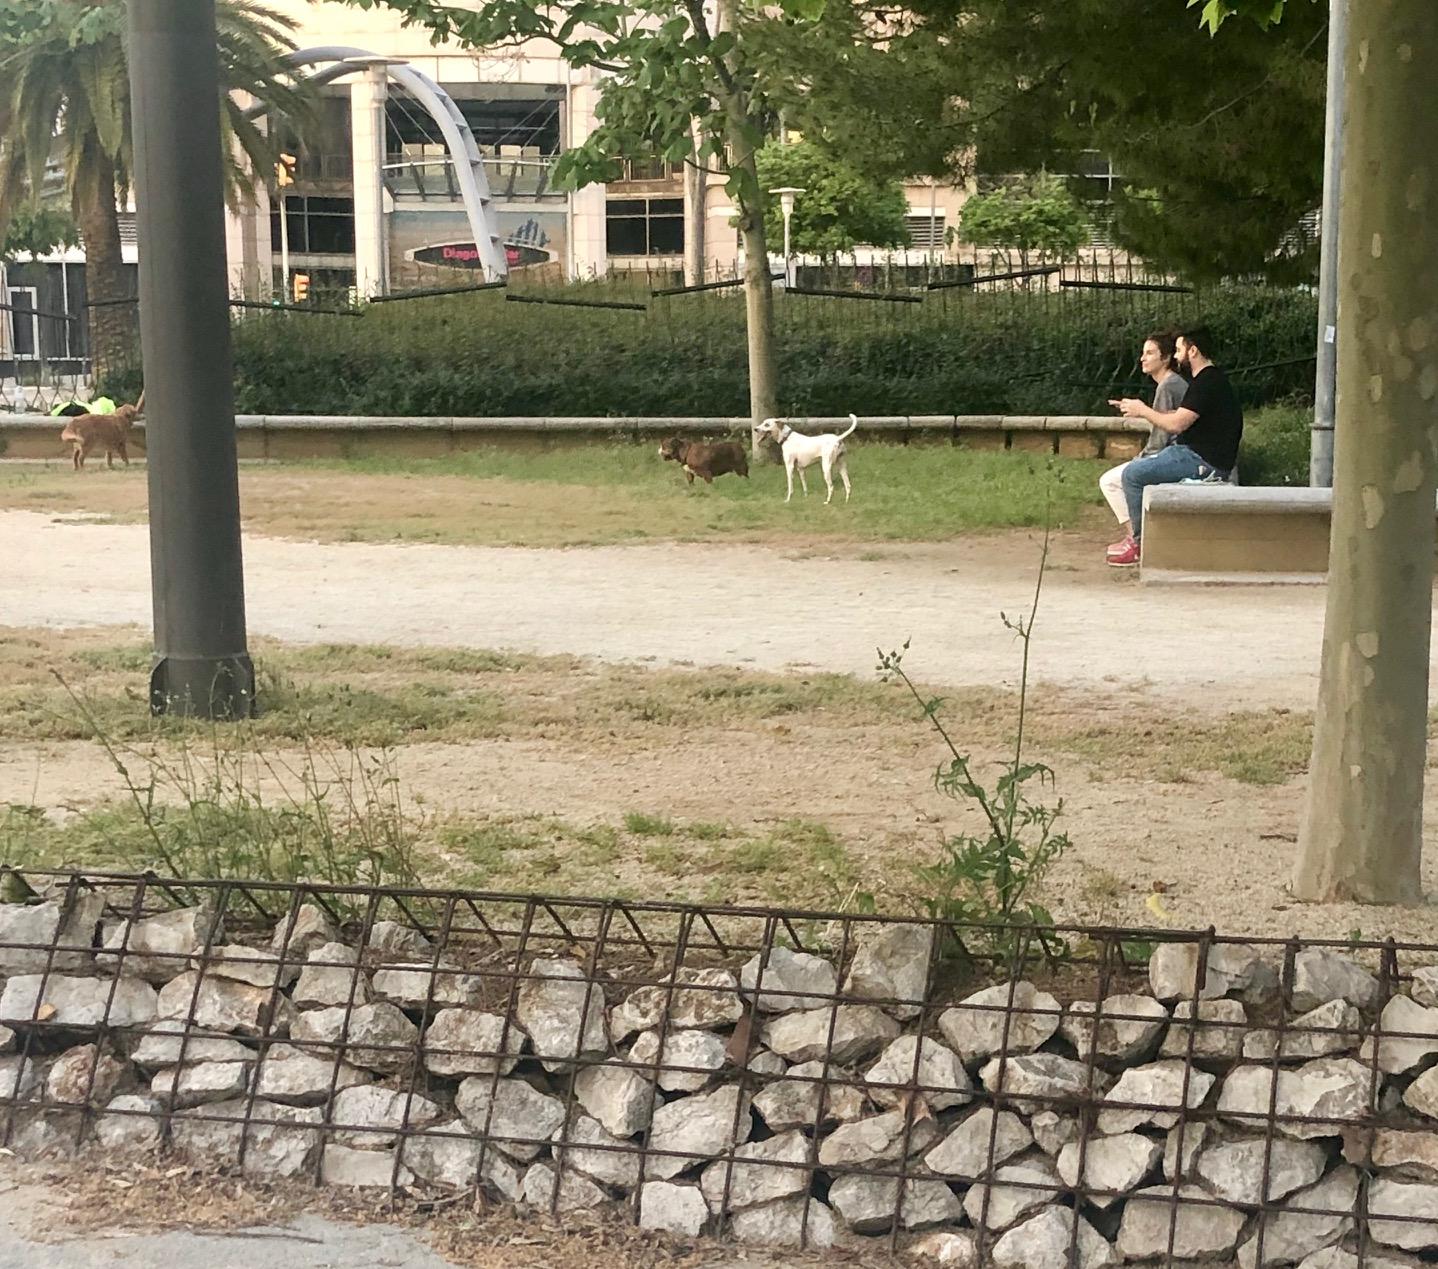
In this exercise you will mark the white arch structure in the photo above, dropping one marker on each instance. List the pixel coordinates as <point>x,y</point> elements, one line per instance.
<point>458,139</point>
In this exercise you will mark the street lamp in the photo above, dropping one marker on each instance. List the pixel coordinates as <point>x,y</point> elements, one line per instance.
<point>786,206</point>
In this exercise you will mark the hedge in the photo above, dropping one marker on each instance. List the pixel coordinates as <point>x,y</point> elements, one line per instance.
<point>958,353</point>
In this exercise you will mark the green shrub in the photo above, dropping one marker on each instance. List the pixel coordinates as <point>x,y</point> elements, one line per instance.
<point>958,353</point>
<point>1275,446</point>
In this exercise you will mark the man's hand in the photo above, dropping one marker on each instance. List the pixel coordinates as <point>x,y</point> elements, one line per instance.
<point>1130,407</point>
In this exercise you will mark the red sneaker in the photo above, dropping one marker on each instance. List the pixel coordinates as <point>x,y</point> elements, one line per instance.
<point>1119,547</point>
<point>1127,556</point>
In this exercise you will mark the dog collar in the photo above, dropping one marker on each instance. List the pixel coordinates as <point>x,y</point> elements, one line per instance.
<point>785,434</point>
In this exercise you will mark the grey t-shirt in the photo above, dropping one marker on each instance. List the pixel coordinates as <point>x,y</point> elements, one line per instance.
<point>1166,398</point>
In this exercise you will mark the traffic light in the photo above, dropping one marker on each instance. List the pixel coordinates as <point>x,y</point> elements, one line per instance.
<point>301,284</point>
<point>285,171</point>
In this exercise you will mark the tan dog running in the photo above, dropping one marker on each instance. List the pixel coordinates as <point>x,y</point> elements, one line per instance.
<point>88,432</point>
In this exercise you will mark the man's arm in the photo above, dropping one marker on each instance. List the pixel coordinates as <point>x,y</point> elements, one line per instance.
<point>1171,421</point>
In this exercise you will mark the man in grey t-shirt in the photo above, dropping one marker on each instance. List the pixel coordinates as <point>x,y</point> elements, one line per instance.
<point>1159,363</point>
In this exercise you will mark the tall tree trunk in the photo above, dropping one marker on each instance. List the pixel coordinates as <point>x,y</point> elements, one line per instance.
<point>113,327</point>
<point>1362,831</point>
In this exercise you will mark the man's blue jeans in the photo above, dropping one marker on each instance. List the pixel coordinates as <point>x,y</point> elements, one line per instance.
<point>1167,467</point>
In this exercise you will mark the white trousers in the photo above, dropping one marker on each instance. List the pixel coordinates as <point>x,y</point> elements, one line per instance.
<point>1111,485</point>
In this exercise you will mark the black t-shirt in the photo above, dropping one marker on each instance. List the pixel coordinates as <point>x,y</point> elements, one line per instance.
<point>1216,432</point>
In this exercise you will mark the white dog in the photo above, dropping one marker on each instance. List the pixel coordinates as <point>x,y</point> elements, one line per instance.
<point>800,451</point>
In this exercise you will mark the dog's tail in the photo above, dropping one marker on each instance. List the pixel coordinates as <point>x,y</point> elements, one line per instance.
<point>853,423</point>
<point>69,434</point>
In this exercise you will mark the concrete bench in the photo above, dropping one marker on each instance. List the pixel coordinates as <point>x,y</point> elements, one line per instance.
<point>1223,533</point>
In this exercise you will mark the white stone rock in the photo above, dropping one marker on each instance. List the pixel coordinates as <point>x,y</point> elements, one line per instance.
<point>170,1041</point>
<point>547,1190</point>
<point>584,1145</point>
<point>378,1037</point>
<point>763,1062</point>
<point>157,948</point>
<point>251,965</point>
<point>1045,1242</point>
<point>940,1076</point>
<point>794,1222</point>
<point>362,1169</point>
<point>409,986</point>
<point>1052,1131</point>
<point>946,1248</point>
<point>1377,1258</point>
<point>1289,1236</point>
<point>7,1040</point>
<point>878,1139</point>
<point>372,1115</point>
<point>794,1102</point>
<point>1218,1037</point>
<point>331,976</point>
<point>1332,1028</point>
<point>760,1172</point>
<point>1406,1156</point>
<point>46,925</point>
<point>311,929</point>
<point>1390,1198</point>
<point>394,942</point>
<point>1200,1230</point>
<point>1422,1094</point>
<point>131,1122</point>
<point>1400,1056</point>
<point>522,1118</point>
<point>964,1154</point>
<point>791,980</point>
<point>1112,1166</point>
<point>562,1013</point>
<point>467,1042</point>
<point>1329,1088</point>
<point>891,964</point>
<point>1161,1089</point>
<point>695,1129</point>
<point>280,1140</point>
<point>1234,1170</point>
<point>201,1083</point>
<point>619,1098</point>
<point>858,1032</point>
<point>675,1209</point>
<point>224,1005</point>
<point>447,1154</point>
<point>1037,1079</point>
<point>867,1204</point>
<point>77,1002</point>
<point>704,998</point>
<point>1173,970</point>
<point>689,1062</point>
<point>1320,976</point>
<point>1017,1188</point>
<point>1190,1138</point>
<point>300,1078</point>
<point>19,1076</point>
<point>1425,986</point>
<point>1128,1030</point>
<point>988,1022</point>
<point>84,1076</point>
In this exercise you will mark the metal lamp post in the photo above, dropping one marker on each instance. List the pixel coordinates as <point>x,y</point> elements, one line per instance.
<point>786,206</point>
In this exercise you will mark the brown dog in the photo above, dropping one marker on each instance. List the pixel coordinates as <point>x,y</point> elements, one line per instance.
<point>88,432</point>
<point>706,459</point>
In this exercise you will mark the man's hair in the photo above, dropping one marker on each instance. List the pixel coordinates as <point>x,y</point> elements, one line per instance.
<point>1166,339</point>
<point>1200,337</point>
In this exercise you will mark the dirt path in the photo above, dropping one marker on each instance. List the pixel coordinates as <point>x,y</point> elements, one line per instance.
<point>706,604</point>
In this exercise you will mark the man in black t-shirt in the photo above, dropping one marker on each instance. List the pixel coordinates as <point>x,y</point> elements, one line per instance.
<point>1207,427</point>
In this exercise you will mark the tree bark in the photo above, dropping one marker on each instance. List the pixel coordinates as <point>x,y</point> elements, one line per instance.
<point>758,308</point>
<point>1362,831</point>
<point>112,326</point>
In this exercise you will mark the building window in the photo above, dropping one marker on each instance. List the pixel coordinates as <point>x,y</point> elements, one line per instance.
<point>23,321</point>
<point>644,226</point>
<point>317,226</point>
<point>926,233</point>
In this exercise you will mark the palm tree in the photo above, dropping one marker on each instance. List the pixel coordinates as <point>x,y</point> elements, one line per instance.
<point>65,98</point>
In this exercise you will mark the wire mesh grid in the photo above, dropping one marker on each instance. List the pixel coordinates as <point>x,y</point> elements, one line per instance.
<point>800,1076</point>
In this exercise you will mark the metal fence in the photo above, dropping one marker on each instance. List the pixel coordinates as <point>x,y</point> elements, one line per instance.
<point>1052,1096</point>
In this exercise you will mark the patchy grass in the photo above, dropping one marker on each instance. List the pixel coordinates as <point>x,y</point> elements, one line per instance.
<point>588,494</point>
